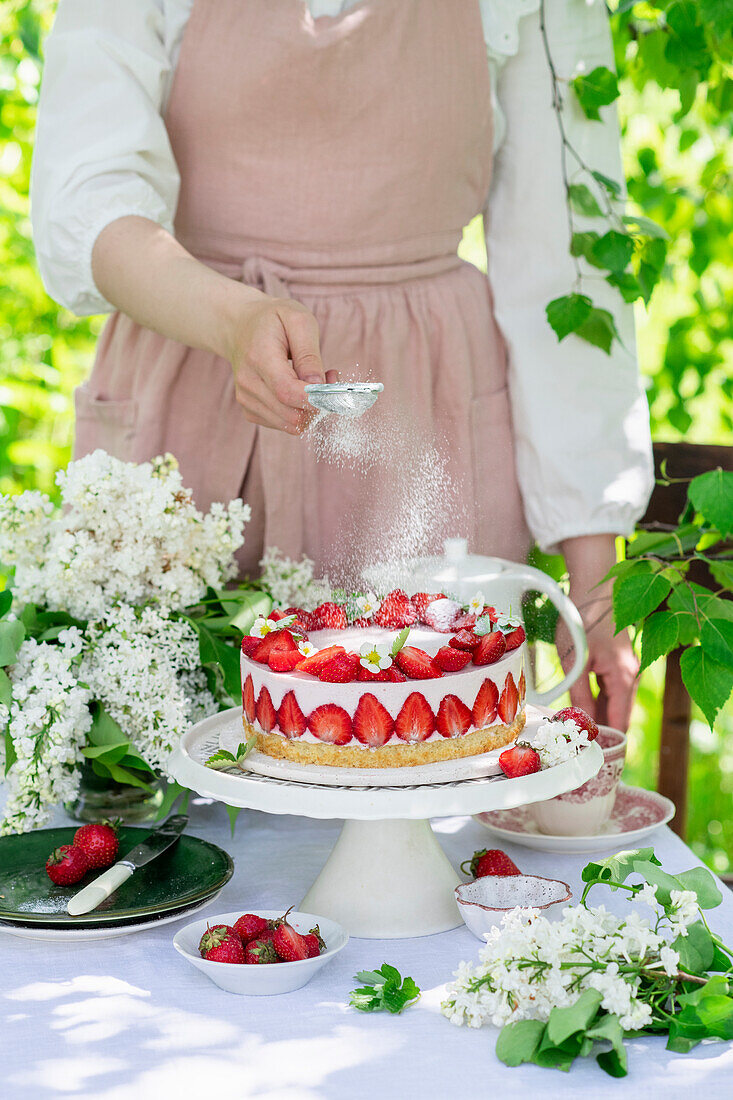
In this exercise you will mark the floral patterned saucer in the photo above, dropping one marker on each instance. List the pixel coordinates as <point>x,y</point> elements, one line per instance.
<point>636,812</point>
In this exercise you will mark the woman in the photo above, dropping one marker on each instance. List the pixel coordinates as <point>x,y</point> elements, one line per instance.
<point>268,191</point>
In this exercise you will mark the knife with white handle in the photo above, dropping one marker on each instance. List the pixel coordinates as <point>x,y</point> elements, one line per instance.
<point>98,891</point>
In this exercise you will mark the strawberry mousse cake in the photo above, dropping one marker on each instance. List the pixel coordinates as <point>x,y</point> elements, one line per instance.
<point>375,683</point>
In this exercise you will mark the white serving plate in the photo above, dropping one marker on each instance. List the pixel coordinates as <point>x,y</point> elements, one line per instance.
<point>266,979</point>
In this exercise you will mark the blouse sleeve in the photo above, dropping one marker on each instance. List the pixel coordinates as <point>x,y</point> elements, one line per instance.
<point>581,421</point>
<point>102,150</point>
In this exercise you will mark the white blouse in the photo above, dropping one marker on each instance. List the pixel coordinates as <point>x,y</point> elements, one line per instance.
<point>581,424</point>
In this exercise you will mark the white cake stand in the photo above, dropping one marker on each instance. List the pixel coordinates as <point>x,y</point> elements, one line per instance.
<point>387,876</point>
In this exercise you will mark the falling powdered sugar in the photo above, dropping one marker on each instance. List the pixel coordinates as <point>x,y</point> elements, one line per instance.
<point>414,505</point>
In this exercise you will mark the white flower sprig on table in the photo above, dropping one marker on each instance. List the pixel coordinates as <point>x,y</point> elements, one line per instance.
<point>556,742</point>
<point>556,988</point>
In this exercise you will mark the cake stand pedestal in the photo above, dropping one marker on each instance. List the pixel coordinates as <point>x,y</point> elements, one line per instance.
<point>387,876</point>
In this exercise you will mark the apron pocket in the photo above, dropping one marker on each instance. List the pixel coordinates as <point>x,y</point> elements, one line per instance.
<point>106,423</point>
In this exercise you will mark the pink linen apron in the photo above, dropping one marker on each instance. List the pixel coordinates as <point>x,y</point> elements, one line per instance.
<point>334,161</point>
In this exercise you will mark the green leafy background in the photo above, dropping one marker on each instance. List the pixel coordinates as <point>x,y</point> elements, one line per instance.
<point>676,104</point>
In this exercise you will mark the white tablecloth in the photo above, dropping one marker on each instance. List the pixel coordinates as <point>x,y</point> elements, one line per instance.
<point>129,1019</point>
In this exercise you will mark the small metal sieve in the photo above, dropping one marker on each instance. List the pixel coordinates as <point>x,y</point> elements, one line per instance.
<point>350,399</point>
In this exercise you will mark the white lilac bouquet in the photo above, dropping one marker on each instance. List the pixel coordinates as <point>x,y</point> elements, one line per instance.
<point>560,989</point>
<point>118,627</point>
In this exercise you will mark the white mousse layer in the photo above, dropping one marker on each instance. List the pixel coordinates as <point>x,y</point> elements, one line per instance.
<point>311,692</point>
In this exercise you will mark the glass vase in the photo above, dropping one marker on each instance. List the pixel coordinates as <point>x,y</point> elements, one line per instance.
<point>101,797</point>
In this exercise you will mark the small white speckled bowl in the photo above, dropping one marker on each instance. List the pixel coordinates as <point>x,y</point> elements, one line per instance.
<point>483,902</point>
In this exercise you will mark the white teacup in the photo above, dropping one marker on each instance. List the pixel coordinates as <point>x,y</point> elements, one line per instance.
<point>584,811</point>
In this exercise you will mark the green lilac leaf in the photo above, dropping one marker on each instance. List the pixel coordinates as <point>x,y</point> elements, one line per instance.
<point>250,605</point>
<point>712,495</point>
<point>618,868</point>
<point>716,638</point>
<point>595,89</point>
<point>716,986</point>
<point>518,1042</point>
<point>654,874</point>
<point>636,596</point>
<point>707,680</point>
<point>564,1022</point>
<point>659,636</point>
<point>6,688</point>
<point>567,314</point>
<point>701,881</point>
<point>6,600</point>
<point>613,1062</point>
<point>12,635</point>
<point>695,949</point>
<point>10,753</point>
<point>583,201</point>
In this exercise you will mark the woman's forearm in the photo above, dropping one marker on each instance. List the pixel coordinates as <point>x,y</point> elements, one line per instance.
<point>589,558</point>
<point>146,273</point>
<point>271,343</point>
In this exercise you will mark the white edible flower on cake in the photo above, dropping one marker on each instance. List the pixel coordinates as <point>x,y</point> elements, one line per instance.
<point>307,648</point>
<point>366,605</point>
<point>262,626</point>
<point>375,657</point>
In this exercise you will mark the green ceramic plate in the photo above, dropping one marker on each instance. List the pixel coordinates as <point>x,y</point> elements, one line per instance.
<point>188,872</point>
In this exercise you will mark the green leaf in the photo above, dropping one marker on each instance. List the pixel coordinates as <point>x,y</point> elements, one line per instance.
<point>6,600</point>
<point>613,250</point>
<point>222,658</point>
<point>564,1022</point>
<point>400,640</point>
<point>605,181</point>
<point>105,731</point>
<point>171,795</point>
<point>599,329</point>
<point>717,14</point>
<point>716,638</point>
<point>120,775</point>
<point>707,680</point>
<point>595,89</point>
<point>659,636</point>
<point>722,571</point>
<point>224,759</point>
<point>608,1028</point>
<point>701,881</point>
<point>12,635</point>
<point>568,313</point>
<point>695,949</point>
<point>250,606</point>
<point>581,244</point>
<point>10,754</point>
<point>636,595</point>
<point>384,990</point>
<point>518,1042</point>
<point>646,226</point>
<point>233,813</point>
<point>618,868</point>
<point>686,47</point>
<point>6,688</point>
<point>583,201</point>
<point>712,496</point>
<point>663,881</point>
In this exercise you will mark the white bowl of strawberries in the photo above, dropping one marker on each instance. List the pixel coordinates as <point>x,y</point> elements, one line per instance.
<point>261,953</point>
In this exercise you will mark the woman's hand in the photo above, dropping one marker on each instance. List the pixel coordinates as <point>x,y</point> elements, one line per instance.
<point>610,656</point>
<point>272,344</point>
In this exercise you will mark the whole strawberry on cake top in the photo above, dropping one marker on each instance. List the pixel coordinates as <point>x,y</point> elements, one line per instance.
<point>373,683</point>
